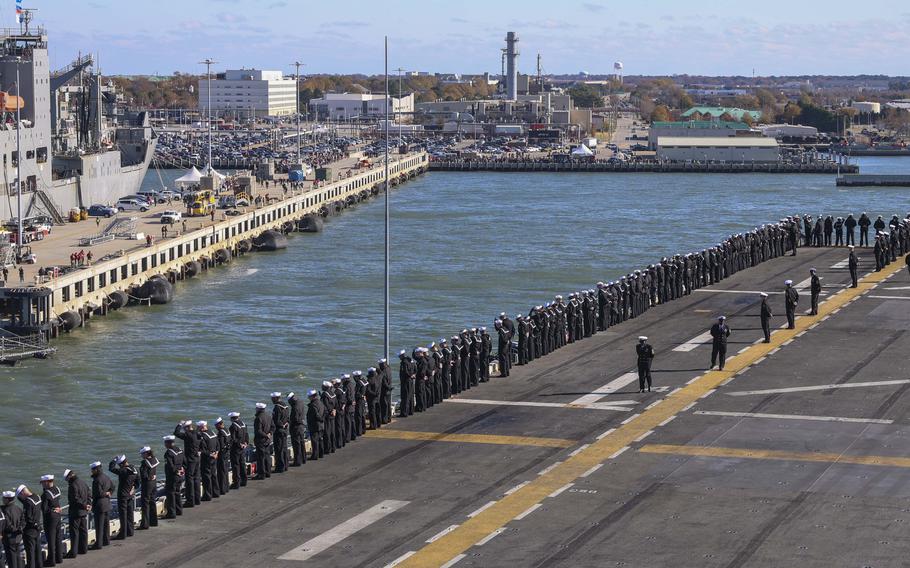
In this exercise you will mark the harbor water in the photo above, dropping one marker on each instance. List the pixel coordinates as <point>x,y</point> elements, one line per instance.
<point>464,248</point>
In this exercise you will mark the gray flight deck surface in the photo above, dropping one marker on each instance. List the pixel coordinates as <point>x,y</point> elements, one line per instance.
<point>740,478</point>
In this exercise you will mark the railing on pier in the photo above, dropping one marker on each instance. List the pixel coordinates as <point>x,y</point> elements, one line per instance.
<point>17,347</point>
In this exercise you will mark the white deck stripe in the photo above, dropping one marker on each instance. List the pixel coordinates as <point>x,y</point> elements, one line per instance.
<point>609,388</point>
<point>528,511</point>
<point>549,468</point>
<point>481,510</point>
<point>793,417</point>
<point>442,533</point>
<point>342,531</point>
<point>579,449</point>
<point>612,405</point>
<point>517,487</point>
<point>490,536</point>
<point>618,452</point>
<point>592,470</point>
<point>890,297</point>
<point>696,341</point>
<point>821,387</point>
<point>560,490</point>
<point>400,559</point>
<point>454,561</point>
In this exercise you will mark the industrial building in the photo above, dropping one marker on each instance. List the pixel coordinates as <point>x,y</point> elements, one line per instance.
<point>736,150</point>
<point>247,93</point>
<point>708,112</point>
<point>697,128</point>
<point>546,108</point>
<point>863,107</point>
<point>789,131</point>
<point>347,106</point>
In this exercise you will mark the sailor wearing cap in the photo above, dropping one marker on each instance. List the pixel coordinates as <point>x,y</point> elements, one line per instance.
<point>361,384</point>
<point>407,377</point>
<point>341,401</point>
<point>191,455</point>
<point>208,451</point>
<point>240,440</point>
<point>719,334</point>
<point>329,403</point>
<point>148,475</point>
<point>12,521</point>
<point>348,422</point>
<point>385,392</point>
<point>315,421</point>
<point>297,428</point>
<point>222,476</point>
<point>791,299</point>
<point>79,498</point>
<point>853,263</point>
<point>815,289</point>
<point>102,489</point>
<point>127,476</point>
<point>50,512</point>
<point>31,526</point>
<point>174,478</point>
<point>281,418</point>
<point>645,353</point>
<point>263,430</point>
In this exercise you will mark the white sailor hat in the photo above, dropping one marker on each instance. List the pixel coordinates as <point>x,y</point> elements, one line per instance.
<point>144,449</point>
<point>187,422</point>
<point>431,345</point>
<point>275,394</point>
<point>336,381</point>
<point>850,247</point>
<point>9,494</point>
<point>642,337</point>
<point>311,392</point>
<point>94,464</point>
<point>788,282</point>
<point>20,488</point>
<point>201,423</point>
<point>465,330</point>
<point>120,459</point>
<point>326,383</point>
<point>260,405</point>
<point>233,415</point>
<point>219,420</point>
<point>402,352</point>
<point>600,283</point>
<point>169,438</point>
<point>763,295</point>
<point>443,340</point>
<point>483,329</point>
<point>812,269</point>
<point>454,338</point>
<point>66,473</point>
<point>371,370</point>
<point>357,373</point>
<point>383,360</point>
<point>47,477</point>
<point>721,317</point>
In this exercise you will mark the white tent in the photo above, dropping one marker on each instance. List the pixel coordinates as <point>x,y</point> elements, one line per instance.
<point>191,177</point>
<point>582,150</point>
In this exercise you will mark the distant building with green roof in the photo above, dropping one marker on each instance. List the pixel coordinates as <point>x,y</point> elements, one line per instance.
<point>717,112</point>
<point>696,128</point>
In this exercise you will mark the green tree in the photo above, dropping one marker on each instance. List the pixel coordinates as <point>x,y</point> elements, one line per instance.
<point>586,96</point>
<point>660,114</point>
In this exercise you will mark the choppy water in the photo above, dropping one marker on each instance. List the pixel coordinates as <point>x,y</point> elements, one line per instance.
<point>465,247</point>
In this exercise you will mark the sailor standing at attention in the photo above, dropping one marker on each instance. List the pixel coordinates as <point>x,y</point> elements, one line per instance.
<point>853,263</point>
<point>719,334</point>
<point>102,488</point>
<point>51,512</point>
<point>791,299</point>
<point>765,317</point>
<point>645,356</point>
<point>815,289</point>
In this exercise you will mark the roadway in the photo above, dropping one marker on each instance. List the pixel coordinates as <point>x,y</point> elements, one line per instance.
<point>794,455</point>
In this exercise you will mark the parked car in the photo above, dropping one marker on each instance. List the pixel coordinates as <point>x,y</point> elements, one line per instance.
<point>102,211</point>
<point>170,217</point>
<point>152,195</point>
<point>132,204</point>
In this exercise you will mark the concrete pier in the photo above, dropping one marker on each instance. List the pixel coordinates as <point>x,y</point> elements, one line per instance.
<point>86,291</point>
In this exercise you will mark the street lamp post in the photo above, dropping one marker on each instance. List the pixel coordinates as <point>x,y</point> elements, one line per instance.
<point>208,62</point>
<point>387,188</point>
<point>18,167</point>
<point>297,64</point>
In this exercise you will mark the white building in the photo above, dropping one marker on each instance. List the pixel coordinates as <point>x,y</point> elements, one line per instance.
<point>737,150</point>
<point>249,92</point>
<point>867,107</point>
<point>346,106</point>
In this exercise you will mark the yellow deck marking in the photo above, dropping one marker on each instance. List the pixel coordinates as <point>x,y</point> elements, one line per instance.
<point>471,438</point>
<point>511,506</point>
<point>715,452</point>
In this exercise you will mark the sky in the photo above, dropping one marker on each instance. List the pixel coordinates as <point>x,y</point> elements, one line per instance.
<point>651,37</point>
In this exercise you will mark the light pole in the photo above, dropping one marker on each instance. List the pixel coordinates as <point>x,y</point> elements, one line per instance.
<point>208,71</point>
<point>18,167</point>
<point>297,64</point>
<point>387,188</point>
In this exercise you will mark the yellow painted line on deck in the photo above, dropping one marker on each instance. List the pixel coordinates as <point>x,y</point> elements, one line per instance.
<point>716,452</point>
<point>470,438</point>
<point>511,506</point>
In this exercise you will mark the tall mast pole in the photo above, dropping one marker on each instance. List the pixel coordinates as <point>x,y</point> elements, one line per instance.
<point>297,64</point>
<point>208,62</point>
<point>18,167</point>
<point>387,189</point>
<point>399,103</point>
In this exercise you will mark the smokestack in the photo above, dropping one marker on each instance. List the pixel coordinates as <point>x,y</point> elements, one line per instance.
<point>511,66</point>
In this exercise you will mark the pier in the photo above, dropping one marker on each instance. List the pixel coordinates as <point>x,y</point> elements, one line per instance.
<point>640,167</point>
<point>874,180</point>
<point>565,462</point>
<point>62,302</point>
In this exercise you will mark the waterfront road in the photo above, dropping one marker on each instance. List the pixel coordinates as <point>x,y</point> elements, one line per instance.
<point>796,454</point>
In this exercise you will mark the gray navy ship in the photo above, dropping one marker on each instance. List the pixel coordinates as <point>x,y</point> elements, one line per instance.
<point>78,148</point>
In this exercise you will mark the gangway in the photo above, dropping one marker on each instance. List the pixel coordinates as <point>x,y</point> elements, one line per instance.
<point>14,348</point>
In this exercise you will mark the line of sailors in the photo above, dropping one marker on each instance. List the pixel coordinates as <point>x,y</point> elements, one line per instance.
<point>840,231</point>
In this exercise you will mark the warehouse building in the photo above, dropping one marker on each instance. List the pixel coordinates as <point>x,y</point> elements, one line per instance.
<point>247,93</point>
<point>736,150</point>
<point>697,128</point>
<point>709,112</point>
<point>347,106</point>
